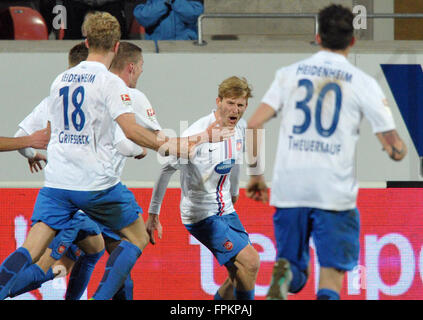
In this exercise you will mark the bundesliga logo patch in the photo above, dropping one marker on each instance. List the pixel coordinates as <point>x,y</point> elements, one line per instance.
<point>151,112</point>
<point>126,99</point>
<point>78,252</point>
<point>228,245</point>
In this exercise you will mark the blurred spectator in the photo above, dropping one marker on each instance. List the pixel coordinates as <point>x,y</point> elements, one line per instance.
<point>169,19</point>
<point>77,9</point>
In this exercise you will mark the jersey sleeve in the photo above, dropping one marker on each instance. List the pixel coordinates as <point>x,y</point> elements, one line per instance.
<point>160,187</point>
<point>37,119</point>
<point>375,107</point>
<point>118,101</point>
<point>274,95</point>
<point>125,146</point>
<point>144,112</point>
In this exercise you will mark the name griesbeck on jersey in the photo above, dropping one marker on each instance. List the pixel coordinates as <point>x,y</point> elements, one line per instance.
<point>73,138</point>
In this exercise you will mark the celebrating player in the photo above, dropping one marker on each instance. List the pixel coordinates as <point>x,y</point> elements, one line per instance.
<point>321,100</point>
<point>82,233</point>
<point>209,183</point>
<point>84,103</point>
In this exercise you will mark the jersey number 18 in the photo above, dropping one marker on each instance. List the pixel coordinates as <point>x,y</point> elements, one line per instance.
<point>77,101</point>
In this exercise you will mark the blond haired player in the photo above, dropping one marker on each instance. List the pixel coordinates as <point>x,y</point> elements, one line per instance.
<point>210,183</point>
<point>85,101</point>
<point>322,100</point>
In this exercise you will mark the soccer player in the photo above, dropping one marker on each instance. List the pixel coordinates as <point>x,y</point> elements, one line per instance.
<point>321,101</point>
<point>84,103</point>
<point>210,187</point>
<point>82,230</point>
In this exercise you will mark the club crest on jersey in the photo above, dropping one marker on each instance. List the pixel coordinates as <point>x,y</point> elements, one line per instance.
<point>228,245</point>
<point>225,167</point>
<point>126,99</point>
<point>239,144</point>
<point>78,252</point>
<point>61,249</point>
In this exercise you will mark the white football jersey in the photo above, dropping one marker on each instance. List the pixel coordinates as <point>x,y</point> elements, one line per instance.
<point>84,102</point>
<point>144,116</point>
<point>322,100</point>
<point>207,177</point>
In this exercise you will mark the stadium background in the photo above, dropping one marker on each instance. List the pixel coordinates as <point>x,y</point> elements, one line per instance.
<point>181,82</point>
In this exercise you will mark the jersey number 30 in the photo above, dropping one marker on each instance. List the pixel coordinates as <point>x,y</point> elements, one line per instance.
<point>303,105</point>
<point>77,101</point>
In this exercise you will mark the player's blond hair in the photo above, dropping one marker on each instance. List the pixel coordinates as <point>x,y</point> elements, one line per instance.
<point>102,31</point>
<point>234,87</point>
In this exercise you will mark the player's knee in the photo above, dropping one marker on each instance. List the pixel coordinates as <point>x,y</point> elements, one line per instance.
<point>251,260</point>
<point>141,240</point>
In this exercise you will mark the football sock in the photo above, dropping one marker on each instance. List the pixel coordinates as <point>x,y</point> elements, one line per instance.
<point>81,274</point>
<point>118,267</point>
<point>244,295</point>
<point>30,279</point>
<point>217,296</point>
<point>299,279</point>
<point>126,291</point>
<point>327,294</point>
<point>10,269</point>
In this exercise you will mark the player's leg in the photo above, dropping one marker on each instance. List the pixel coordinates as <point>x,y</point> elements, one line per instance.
<point>39,236</point>
<point>36,274</point>
<point>336,237</point>
<point>227,239</point>
<point>243,272</point>
<point>93,248</point>
<point>122,259</point>
<point>91,242</point>
<point>225,291</point>
<point>49,200</point>
<point>292,232</point>
<point>112,241</point>
<point>117,209</point>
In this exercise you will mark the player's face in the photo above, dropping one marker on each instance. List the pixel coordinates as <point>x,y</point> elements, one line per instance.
<point>231,110</point>
<point>136,73</point>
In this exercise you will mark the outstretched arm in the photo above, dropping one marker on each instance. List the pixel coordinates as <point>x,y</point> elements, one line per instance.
<point>159,191</point>
<point>180,147</point>
<point>256,187</point>
<point>37,140</point>
<point>34,158</point>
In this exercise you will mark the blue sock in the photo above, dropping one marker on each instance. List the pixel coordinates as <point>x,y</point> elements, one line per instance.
<point>299,279</point>
<point>30,279</point>
<point>118,267</point>
<point>10,269</point>
<point>217,296</point>
<point>327,294</point>
<point>81,274</point>
<point>126,291</point>
<point>244,295</point>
